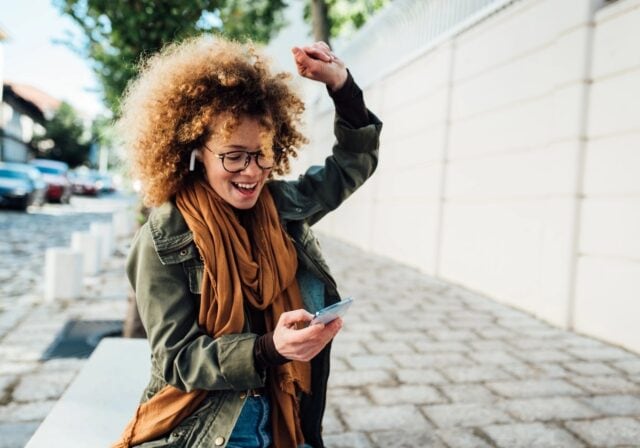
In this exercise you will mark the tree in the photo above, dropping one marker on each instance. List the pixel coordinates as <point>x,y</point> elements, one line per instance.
<point>67,132</point>
<point>116,33</point>
<point>334,18</point>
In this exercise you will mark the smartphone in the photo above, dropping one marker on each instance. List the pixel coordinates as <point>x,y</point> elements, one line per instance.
<point>326,315</point>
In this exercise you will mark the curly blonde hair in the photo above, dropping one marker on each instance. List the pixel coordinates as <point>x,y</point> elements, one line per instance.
<point>166,112</point>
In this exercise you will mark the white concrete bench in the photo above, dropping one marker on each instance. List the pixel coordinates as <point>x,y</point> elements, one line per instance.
<point>97,405</point>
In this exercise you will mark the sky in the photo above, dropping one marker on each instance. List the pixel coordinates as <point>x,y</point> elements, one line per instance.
<point>31,57</point>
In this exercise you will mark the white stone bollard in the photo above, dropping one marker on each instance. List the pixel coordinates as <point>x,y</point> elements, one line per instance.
<point>123,223</point>
<point>104,231</point>
<point>91,248</point>
<point>62,274</point>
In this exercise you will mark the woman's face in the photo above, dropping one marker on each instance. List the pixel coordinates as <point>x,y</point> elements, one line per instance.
<point>241,189</point>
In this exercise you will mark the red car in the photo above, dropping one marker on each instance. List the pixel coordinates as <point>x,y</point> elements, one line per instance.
<point>55,175</point>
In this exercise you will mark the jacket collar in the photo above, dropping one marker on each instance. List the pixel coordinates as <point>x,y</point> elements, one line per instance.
<point>168,228</point>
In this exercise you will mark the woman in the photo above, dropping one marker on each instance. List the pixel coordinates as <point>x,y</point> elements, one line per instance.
<point>226,271</point>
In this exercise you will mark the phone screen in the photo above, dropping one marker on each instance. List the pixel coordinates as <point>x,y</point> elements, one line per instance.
<point>326,315</point>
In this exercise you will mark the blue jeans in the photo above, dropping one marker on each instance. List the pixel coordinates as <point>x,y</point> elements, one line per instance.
<point>253,428</point>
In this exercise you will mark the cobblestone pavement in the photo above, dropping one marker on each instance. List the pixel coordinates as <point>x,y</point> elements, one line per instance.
<point>29,387</point>
<point>419,363</point>
<point>424,363</point>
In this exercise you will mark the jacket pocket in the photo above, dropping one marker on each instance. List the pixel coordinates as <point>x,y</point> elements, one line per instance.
<point>179,254</point>
<point>194,274</point>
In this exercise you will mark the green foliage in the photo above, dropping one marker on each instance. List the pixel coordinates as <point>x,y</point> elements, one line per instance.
<point>116,33</point>
<point>67,132</point>
<point>347,16</point>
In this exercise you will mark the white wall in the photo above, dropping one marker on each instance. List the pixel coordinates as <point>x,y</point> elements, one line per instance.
<point>505,169</point>
<point>608,275</point>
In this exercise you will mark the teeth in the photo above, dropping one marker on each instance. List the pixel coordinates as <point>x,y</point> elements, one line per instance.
<point>247,186</point>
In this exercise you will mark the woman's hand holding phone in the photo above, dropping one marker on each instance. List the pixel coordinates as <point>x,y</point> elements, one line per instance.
<point>302,344</point>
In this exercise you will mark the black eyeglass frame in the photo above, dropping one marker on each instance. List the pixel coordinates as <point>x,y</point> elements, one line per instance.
<point>248,156</point>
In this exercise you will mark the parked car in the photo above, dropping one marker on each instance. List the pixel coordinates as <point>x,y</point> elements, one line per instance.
<point>21,185</point>
<point>106,183</point>
<point>55,175</point>
<point>85,182</point>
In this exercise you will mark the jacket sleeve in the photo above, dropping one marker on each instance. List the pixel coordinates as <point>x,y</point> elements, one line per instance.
<point>186,357</point>
<point>353,160</point>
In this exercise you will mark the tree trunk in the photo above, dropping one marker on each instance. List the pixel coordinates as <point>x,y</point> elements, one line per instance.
<point>320,19</point>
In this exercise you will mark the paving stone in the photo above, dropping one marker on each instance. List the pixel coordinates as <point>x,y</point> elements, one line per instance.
<point>407,439</point>
<point>475,374</point>
<point>615,404</point>
<point>494,357</point>
<point>608,432</point>
<point>6,382</point>
<point>42,386</point>
<point>359,378</point>
<point>366,362</point>
<point>590,368</point>
<point>491,344</point>
<point>409,335</point>
<point>346,349</point>
<point>22,352</point>
<point>536,356</point>
<point>340,397</point>
<point>16,435</point>
<point>533,388</point>
<point>347,440</point>
<point>531,435</point>
<point>432,360</point>
<point>478,324</point>
<point>384,418</point>
<point>420,376</point>
<point>453,335</point>
<point>461,438</point>
<point>464,414</point>
<point>631,366</point>
<point>544,409</point>
<point>331,424</point>
<point>541,332</point>
<point>528,344</point>
<point>25,412</point>
<point>468,393</point>
<point>388,348</point>
<point>600,354</point>
<point>535,371</point>
<point>434,347</point>
<point>339,364</point>
<point>409,394</point>
<point>605,384</point>
<point>495,333</point>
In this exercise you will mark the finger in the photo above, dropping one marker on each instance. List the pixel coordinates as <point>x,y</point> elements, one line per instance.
<point>290,318</point>
<point>326,48</point>
<point>317,53</point>
<point>299,55</point>
<point>324,45</point>
<point>335,325</point>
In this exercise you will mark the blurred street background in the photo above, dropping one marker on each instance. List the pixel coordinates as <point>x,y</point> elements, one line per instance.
<point>495,253</point>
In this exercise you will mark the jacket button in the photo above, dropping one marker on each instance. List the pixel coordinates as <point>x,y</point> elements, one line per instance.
<point>183,252</point>
<point>219,441</point>
<point>243,395</point>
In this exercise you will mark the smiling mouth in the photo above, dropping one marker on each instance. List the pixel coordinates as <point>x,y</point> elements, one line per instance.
<point>245,188</point>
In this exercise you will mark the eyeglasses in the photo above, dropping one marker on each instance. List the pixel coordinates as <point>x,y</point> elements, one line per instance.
<point>236,161</point>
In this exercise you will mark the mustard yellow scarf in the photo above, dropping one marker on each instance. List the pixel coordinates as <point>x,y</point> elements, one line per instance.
<point>257,264</point>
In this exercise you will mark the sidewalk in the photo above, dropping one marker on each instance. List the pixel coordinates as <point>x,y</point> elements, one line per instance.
<point>420,363</point>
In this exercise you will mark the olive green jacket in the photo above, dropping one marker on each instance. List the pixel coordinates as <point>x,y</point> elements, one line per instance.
<point>165,270</point>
